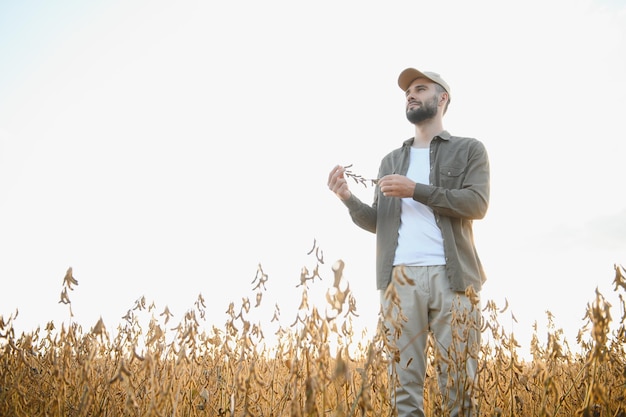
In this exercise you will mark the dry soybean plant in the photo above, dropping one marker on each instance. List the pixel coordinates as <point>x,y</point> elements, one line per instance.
<point>366,182</point>
<point>316,367</point>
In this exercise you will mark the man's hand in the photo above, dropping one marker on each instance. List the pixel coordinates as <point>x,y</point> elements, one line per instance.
<point>337,183</point>
<point>395,185</point>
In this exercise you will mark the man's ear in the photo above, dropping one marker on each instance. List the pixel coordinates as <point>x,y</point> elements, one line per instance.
<point>443,98</point>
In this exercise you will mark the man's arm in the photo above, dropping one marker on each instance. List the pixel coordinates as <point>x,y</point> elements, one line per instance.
<point>362,214</point>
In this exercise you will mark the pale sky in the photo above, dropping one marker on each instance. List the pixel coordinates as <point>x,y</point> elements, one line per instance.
<point>165,149</point>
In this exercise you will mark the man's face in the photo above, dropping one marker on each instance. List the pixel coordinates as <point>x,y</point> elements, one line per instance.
<point>421,101</point>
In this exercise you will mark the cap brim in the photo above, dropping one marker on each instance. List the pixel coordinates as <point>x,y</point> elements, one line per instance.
<point>408,76</point>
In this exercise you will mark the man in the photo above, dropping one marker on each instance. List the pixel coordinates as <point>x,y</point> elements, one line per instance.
<point>427,195</point>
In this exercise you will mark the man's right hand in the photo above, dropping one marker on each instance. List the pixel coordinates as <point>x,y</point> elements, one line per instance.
<point>337,183</point>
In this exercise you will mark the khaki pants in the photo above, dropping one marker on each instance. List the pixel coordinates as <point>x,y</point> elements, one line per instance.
<point>430,307</point>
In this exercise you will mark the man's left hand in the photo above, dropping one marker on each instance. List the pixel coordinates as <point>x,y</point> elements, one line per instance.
<point>395,185</point>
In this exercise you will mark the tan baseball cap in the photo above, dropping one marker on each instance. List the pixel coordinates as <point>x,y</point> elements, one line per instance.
<point>411,74</point>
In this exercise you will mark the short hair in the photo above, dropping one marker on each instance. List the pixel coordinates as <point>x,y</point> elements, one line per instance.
<point>440,89</point>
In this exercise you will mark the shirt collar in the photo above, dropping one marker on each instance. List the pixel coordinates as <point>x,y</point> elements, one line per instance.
<point>445,135</point>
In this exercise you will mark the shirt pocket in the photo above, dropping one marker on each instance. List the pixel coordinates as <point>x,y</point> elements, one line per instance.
<point>451,176</point>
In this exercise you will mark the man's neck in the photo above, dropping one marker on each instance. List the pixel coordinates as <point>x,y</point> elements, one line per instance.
<point>424,133</point>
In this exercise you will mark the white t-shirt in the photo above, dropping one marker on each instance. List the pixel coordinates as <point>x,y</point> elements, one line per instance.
<point>419,241</point>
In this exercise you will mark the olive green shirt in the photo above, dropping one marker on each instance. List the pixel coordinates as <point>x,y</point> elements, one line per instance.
<point>458,193</point>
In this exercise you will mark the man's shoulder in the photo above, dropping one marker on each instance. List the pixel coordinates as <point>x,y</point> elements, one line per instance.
<point>462,141</point>
<point>397,151</point>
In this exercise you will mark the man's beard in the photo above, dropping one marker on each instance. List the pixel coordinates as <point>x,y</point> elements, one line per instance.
<point>426,111</point>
